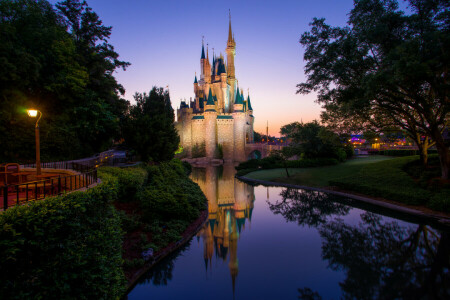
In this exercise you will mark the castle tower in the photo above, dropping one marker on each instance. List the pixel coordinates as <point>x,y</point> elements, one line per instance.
<point>251,120</point>
<point>202,63</point>
<point>239,127</point>
<point>210,126</point>
<point>231,53</point>
<point>207,69</point>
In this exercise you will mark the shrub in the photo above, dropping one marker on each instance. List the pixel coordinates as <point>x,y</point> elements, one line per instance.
<point>349,151</point>
<point>199,150</point>
<point>170,194</point>
<point>63,247</point>
<point>131,181</point>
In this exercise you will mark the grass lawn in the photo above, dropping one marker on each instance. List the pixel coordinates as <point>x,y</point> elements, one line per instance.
<point>319,176</point>
<point>378,176</point>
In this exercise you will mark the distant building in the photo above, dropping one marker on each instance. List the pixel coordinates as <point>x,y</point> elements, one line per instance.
<point>219,117</point>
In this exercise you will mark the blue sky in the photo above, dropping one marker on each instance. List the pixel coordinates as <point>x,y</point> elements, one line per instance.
<point>162,41</point>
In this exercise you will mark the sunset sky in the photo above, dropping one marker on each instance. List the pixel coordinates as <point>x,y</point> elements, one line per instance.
<point>162,41</point>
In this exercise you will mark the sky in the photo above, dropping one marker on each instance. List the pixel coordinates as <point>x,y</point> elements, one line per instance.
<point>162,41</point>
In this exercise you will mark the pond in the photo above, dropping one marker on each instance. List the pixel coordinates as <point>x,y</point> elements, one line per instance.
<point>278,243</point>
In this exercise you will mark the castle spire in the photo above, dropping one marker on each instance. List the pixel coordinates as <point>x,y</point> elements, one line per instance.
<point>203,49</point>
<point>230,33</point>
<point>249,104</point>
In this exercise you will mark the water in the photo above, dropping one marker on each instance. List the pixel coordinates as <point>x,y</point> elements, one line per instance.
<point>278,243</point>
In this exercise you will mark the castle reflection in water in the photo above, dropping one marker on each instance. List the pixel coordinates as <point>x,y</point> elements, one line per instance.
<point>230,206</point>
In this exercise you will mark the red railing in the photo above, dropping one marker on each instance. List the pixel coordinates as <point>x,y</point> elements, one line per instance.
<point>18,194</point>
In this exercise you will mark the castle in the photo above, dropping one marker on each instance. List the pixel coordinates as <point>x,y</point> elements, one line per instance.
<point>219,121</point>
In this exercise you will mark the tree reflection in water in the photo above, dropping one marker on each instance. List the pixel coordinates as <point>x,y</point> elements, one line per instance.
<point>381,259</point>
<point>307,207</point>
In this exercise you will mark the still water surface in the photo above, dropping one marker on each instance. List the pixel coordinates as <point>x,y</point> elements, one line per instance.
<point>279,243</point>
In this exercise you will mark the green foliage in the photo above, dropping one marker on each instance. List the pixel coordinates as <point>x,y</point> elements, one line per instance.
<point>58,61</point>
<point>290,129</point>
<point>131,181</point>
<point>257,137</point>
<point>349,150</point>
<point>149,127</point>
<point>63,247</point>
<point>383,69</point>
<point>219,151</point>
<point>199,150</point>
<point>187,166</point>
<point>315,141</point>
<point>170,194</point>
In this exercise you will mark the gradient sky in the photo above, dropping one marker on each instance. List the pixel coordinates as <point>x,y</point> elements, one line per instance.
<point>162,41</point>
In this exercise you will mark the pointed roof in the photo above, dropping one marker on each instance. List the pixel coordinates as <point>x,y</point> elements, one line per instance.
<point>203,51</point>
<point>249,103</point>
<point>230,33</point>
<point>238,99</point>
<point>195,81</point>
<point>210,98</point>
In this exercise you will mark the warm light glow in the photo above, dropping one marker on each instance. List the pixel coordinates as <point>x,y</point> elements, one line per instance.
<point>32,112</point>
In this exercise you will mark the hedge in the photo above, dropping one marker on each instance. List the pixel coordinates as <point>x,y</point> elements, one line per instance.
<point>66,247</point>
<point>131,181</point>
<point>170,194</point>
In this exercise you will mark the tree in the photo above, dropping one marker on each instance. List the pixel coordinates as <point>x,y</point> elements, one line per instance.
<point>149,127</point>
<point>257,137</point>
<point>46,65</point>
<point>385,68</point>
<point>289,129</point>
<point>313,140</point>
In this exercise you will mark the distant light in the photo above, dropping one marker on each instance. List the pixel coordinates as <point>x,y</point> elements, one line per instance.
<point>32,112</point>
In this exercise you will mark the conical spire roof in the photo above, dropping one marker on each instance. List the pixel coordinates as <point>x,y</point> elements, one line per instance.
<point>195,80</point>
<point>203,51</point>
<point>230,33</point>
<point>210,98</point>
<point>249,104</point>
<point>239,99</point>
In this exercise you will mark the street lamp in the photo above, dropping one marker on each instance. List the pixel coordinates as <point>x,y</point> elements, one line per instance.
<point>33,113</point>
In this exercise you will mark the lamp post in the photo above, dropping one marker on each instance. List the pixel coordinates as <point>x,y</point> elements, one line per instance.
<point>33,113</point>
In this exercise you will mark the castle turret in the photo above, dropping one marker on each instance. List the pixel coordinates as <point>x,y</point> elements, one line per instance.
<point>207,68</point>
<point>239,128</point>
<point>231,52</point>
<point>202,62</point>
<point>251,121</point>
<point>210,126</point>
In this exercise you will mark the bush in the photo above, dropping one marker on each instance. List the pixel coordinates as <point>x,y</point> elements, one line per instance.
<point>170,194</point>
<point>131,181</point>
<point>341,155</point>
<point>199,150</point>
<point>63,247</point>
<point>349,151</point>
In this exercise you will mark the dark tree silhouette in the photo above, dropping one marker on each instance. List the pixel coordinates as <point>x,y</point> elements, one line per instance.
<point>307,207</point>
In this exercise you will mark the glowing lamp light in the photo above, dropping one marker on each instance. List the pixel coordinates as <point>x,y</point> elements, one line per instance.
<point>32,113</point>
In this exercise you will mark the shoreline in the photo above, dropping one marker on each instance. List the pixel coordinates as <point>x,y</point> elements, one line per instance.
<point>190,231</point>
<point>422,213</point>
